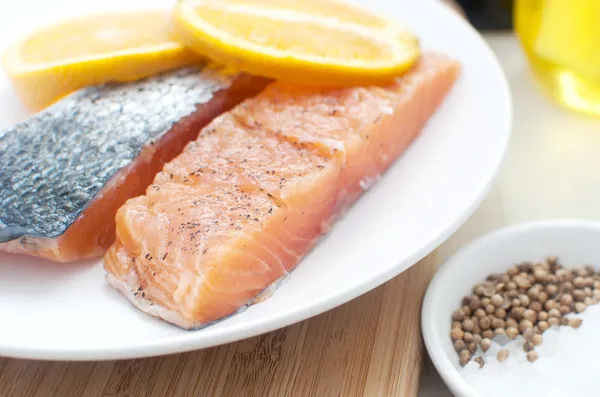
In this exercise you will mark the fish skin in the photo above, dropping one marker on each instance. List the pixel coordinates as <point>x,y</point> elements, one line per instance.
<point>56,162</point>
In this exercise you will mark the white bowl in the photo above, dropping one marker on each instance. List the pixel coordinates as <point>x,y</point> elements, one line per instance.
<point>576,243</point>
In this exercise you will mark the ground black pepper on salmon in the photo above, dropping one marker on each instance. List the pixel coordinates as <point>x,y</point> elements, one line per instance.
<point>67,169</point>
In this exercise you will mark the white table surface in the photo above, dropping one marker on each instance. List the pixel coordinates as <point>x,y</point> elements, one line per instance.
<point>551,168</point>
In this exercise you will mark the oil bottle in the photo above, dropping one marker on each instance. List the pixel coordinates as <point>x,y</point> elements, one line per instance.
<point>562,41</point>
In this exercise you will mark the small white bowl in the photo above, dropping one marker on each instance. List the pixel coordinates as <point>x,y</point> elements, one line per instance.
<point>576,243</point>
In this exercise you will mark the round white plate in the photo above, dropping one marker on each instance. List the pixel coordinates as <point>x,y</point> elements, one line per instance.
<point>67,311</point>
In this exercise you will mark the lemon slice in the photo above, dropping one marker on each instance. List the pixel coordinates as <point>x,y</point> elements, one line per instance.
<point>56,60</point>
<point>308,41</point>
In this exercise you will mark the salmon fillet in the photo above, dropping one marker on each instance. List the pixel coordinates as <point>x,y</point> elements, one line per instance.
<point>243,203</point>
<point>67,169</point>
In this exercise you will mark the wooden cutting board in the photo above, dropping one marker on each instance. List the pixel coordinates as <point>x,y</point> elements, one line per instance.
<point>370,346</point>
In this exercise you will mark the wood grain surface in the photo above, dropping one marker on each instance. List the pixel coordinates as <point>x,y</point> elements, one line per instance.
<point>370,346</point>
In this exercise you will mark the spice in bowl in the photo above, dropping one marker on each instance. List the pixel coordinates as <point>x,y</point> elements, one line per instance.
<point>526,328</point>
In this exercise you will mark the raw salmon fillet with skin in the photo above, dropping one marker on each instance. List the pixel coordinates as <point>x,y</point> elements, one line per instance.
<point>96,149</point>
<point>242,204</point>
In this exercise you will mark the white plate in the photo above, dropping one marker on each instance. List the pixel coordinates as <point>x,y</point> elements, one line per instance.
<point>58,311</point>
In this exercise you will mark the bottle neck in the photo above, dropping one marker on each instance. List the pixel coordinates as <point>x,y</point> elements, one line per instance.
<point>489,14</point>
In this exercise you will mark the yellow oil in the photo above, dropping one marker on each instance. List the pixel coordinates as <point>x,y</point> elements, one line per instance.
<point>562,41</point>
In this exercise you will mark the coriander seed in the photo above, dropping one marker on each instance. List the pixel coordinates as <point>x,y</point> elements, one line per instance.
<point>477,339</point>
<point>551,289</point>
<point>467,310</point>
<point>527,347</point>
<point>464,357</point>
<point>524,325</point>
<point>485,344</point>
<point>522,281</point>
<point>536,306</point>
<point>499,331</point>
<point>539,273</point>
<point>512,271</point>
<point>517,312</point>
<point>489,308</point>
<point>543,326</point>
<point>467,337</point>
<point>525,266</point>
<point>537,339</point>
<point>511,322</point>
<point>458,315</point>
<point>550,304</point>
<point>591,269</point>
<point>511,332</point>
<point>489,289</point>
<point>468,325</point>
<point>588,300</point>
<point>475,303</point>
<point>472,347</point>
<point>528,334</point>
<point>580,307</point>
<point>574,322</point>
<point>530,315</point>
<point>542,316</point>
<point>542,297</point>
<point>488,333</point>
<point>457,334</point>
<point>578,282</point>
<point>532,356</point>
<point>503,355</point>
<point>567,286</point>
<point>524,300</point>
<point>533,293</point>
<point>480,361</point>
<point>480,313</point>
<point>497,300</point>
<point>484,323</point>
<point>511,286</point>
<point>578,295</point>
<point>563,275</point>
<point>564,310</point>
<point>459,345</point>
<point>497,323</point>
